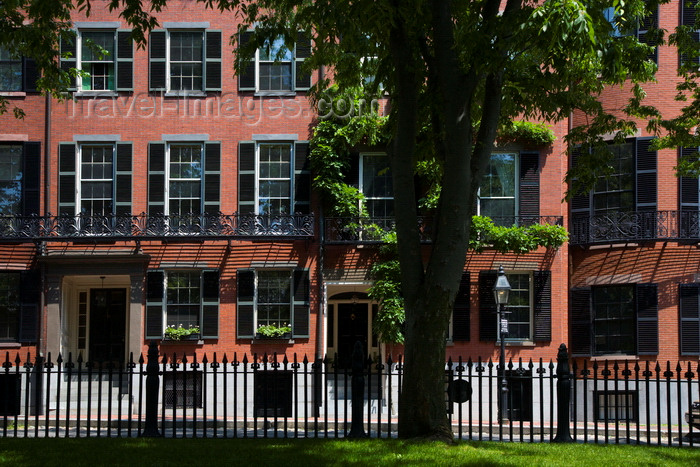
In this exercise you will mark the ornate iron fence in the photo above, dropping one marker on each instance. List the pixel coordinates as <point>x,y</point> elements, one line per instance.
<point>635,226</point>
<point>144,226</point>
<point>272,395</point>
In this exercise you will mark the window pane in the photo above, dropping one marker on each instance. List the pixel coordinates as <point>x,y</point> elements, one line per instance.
<point>376,185</point>
<point>274,298</point>
<point>275,66</point>
<point>614,320</point>
<point>10,72</point>
<point>274,179</point>
<point>97,59</point>
<point>518,308</point>
<point>96,180</point>
<point>615,193</point>
<point>183,297</point>
<point>186,60</point>
<point>497,189</point>
<point>185,193</point>
<point>10,179</point>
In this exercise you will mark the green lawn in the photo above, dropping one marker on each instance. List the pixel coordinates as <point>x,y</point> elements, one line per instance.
<point>306,452</point>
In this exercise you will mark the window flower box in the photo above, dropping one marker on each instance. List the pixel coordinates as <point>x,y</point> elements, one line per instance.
<point>188,338</point>
<point>273,331</point>
<point>180,333</point>
<point>264,337</point>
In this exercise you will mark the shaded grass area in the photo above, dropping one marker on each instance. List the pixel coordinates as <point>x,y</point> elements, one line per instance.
<point>307,452</point>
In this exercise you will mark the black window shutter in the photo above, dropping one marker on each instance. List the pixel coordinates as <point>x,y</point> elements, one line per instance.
<point>689,318</point>
<point>245,310</point>
<point>31,178</point>
<point>30,298</point>
<point>157,72</point>
<point>647,320</point>
<point>302,178</point>
<point>156,178</point>
<point>302,52</point>
<point>66,178</point>
<point>212,178</point>
<point>529,202</point>
<point>155,291</point>
<point>246,177</point>
<point>300,326</point>
<point>68,54</point>
<point>460,311</point>
<point>646,175</point>
<point>689,199</point>
<point>210,305</point>
<point>580,322</point>
<point>645,24</point>
<point>542,282</point>
<point>247,80</point>
<point>213,61</point>
<point>487,306</point>
<point>125,61</point>
<point>353,176</point>
<point>122,177</point>
<point>688,19</point>
<point>30,73</point>
<point>580,208</point>
<point>688,189</point>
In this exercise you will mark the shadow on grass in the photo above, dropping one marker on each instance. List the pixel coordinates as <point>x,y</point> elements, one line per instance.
<point>305,452</point>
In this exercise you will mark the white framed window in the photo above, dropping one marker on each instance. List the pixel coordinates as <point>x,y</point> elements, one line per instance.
<point>376,185</point>
<point>274,184</point>
<point>182,298</point>
<point>273,299</point>
<point>95,190</point>
<point>10,71</point>
<point>94,176</point>
<point>520,306</point>
<point>497,195</point>
<point>96,53</point>
<point>272,296</point>
<point>184,175</point>
<point>104,55</point>
<point>185,59</point>
<point>275,68</point>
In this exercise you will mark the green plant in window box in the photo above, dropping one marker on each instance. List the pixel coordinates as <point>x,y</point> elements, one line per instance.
<point>272,331</point>
<point>181,333</point>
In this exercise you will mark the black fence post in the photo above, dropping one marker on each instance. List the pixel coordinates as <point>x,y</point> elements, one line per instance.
<point>563,397</point>
<point>152,382</point>
<point>357,428</point>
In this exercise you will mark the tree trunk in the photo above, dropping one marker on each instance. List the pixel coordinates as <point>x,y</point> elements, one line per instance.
<point>422,406</point>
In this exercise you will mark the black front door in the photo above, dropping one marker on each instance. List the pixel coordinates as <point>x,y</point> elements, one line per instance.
<point>107,324</point>
<point>352,327</point>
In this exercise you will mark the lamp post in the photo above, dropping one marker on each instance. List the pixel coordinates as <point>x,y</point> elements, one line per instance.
<point>501,289</point>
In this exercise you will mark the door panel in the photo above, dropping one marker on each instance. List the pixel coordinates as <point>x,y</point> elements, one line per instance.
<point>352,327</point>
<point>107,325</point>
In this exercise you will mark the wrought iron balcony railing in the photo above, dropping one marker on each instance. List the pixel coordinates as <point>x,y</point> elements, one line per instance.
<point>145,226</point>
<point>634,226</point>
<point>363,230</point>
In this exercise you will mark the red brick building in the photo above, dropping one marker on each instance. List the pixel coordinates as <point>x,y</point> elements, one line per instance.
<point>633,239</point>
<point>171,192</point>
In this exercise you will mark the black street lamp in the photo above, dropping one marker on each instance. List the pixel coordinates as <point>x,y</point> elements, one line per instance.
<point>501,290</point>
